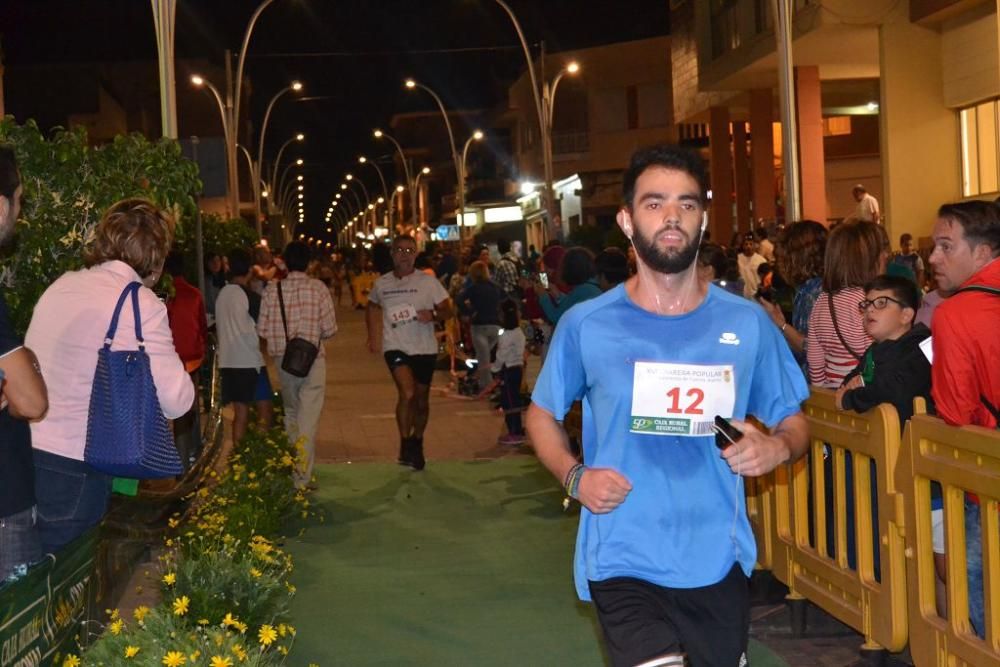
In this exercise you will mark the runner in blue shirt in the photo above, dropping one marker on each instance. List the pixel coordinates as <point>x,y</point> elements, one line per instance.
<point>664,547</point>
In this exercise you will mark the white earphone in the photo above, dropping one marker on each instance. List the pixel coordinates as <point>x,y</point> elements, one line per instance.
<point>704,221</point>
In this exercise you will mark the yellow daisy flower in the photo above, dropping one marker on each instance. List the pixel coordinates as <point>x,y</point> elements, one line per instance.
<point>140,612</point>
<point>71,661</point>
<point>170,578</point>
<point>131,651</point>
<point>220,661</point>
<point>230,621</point>
<point>267,635</point>
<point>116,627</point>
<point>181,605</point>
<point>174,659</point>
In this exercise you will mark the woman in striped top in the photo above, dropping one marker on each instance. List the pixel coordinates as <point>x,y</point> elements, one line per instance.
<point>855,253</point>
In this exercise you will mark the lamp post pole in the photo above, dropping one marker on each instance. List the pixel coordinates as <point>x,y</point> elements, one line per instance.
<point>259,167</point>
<point>543,124</point>
<point>407,174</point>
<point>456,159</point>
<point>385,189</point>
<point>227,132</point>
<point>277,160</point>
<point>476,136</point>
<point>164,12</point>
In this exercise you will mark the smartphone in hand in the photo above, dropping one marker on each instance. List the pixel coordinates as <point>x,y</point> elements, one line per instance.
<point>543,279</point>
<point>725,433</point>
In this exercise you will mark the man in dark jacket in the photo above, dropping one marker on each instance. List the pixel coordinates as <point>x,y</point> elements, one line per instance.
<point>894,369</point>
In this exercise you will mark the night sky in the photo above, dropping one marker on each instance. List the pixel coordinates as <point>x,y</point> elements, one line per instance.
<point>352,54</point>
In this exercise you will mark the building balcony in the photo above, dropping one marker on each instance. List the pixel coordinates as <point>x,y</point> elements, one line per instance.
<point>569,145</point>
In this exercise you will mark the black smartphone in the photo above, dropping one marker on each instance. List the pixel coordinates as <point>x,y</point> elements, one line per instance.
<point>725,433</point>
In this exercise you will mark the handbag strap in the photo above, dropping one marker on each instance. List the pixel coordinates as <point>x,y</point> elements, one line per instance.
<point>281,303</point>
<point>133,289</point>
<point>836,327</point>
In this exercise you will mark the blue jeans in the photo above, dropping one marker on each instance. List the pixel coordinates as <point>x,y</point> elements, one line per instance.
<point>71,498</point>
<point>510,398</point>
<point>974,567</point>
<point>19,545</point>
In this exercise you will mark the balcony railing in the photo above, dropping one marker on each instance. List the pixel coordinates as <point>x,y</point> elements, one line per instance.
<point>568,143</point>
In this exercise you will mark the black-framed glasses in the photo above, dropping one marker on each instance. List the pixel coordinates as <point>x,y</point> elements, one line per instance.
<point>879,302</point>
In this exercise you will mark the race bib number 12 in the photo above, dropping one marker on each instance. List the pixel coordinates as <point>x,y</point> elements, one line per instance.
<point>680,399</point>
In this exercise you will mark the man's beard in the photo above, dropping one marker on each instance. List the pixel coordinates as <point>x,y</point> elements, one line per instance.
<point>672,260</point>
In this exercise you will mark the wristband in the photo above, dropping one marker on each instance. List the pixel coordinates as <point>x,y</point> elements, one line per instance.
<point>572,481</point>
<point>783,327</point>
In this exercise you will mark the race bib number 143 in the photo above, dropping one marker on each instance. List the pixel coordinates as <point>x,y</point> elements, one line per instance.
<point>680,399</point>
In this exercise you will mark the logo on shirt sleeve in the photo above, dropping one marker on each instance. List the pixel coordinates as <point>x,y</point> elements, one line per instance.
<point>729,339</point>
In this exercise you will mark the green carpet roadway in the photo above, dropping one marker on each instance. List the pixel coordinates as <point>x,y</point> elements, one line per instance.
<point>466,563</point>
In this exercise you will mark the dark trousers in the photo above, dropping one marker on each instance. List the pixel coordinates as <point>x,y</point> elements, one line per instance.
<point>71,498</point>
<point>510,398</point>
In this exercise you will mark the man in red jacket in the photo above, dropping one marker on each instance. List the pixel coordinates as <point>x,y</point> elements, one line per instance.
<point>189,326</point>
<point>965,375</point>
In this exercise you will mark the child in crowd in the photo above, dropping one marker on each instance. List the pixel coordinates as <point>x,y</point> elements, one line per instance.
<point>508,369</point>
<point>893,369</point>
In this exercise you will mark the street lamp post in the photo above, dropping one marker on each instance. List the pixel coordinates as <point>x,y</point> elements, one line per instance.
<point>543,108</point>
<point>381,178</point>
<point>227,132</point>
<point>379,134</point>
<point>476,136</point>
<point>416,186</point>
<point>412,84</point>
<point>277,160</point>
<point>295,86</point>
<point>230,109</point>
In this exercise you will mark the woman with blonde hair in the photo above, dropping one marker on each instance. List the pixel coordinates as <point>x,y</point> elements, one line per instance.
<point>67,329</point>
<point>480,301</point>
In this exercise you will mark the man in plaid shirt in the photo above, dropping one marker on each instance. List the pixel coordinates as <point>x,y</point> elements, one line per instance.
<point>309,314</point>
<point>508,270</point>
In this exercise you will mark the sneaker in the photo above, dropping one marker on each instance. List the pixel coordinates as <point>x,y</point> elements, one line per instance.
<point>512,440</point>
<point>417,457</point>
<point>405,452</point>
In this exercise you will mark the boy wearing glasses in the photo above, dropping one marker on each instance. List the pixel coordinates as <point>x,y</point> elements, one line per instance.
<point>894,369</point>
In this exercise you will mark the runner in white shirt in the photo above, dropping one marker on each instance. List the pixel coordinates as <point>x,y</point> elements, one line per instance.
<point>406,303</point>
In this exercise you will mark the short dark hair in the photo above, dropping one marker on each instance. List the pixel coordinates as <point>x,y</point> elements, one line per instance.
<point>980,221</point>
<point>904,238</point>
<point>508,314</point>
<point>668,156</point>
<point>174,263</point>
<point>577,266</point>
<point>403,237</point>
<point>9,177</point>
<point>296,256</point>
<point>503,245</point>
<point>239,263</point>
<point>903,289</point>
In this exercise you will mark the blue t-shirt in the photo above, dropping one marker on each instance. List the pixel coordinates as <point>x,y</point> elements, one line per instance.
<point>684,523</point>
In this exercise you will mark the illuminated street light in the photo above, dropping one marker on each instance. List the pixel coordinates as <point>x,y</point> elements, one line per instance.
<point>476,136</point>
<point>455,157</point>
<point>410,183</point>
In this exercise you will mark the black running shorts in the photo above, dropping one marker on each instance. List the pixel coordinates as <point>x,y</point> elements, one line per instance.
<point>642,621</point>
<point>422,365</point>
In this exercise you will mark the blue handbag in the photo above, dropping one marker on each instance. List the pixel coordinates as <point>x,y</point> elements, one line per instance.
<point>127,432</point>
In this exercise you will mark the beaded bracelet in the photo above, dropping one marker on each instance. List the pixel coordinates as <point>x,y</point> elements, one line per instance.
<point>572,481</point>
